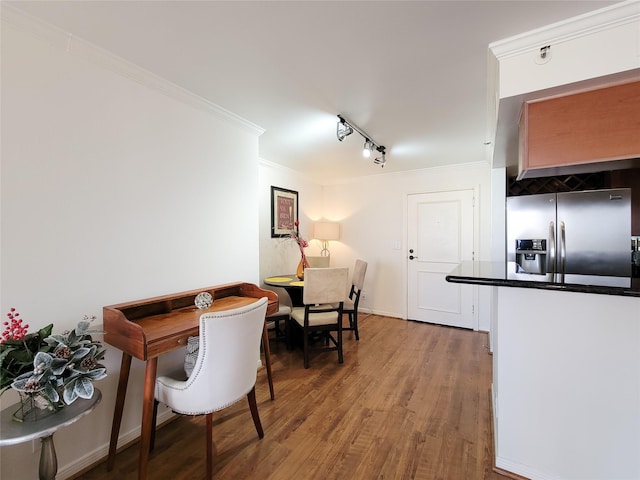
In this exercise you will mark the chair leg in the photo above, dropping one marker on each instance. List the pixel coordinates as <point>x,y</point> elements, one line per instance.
<point>209,445</point>
<point>276,328</point>
<point>154,418</point>
<point>288,334</point>
<point>305,347</point>
<point>355,324</point>
<point>267,359</point>
<point>340,357</point>
<point>253,406</point>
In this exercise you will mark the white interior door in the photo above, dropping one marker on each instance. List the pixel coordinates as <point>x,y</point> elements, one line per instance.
<point>440,236</point>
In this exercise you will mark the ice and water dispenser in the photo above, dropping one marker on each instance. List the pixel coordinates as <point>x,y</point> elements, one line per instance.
<point>531,256</point>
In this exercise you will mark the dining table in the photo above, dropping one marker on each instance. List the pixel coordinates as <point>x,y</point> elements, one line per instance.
<point>291,283</point>
<point>294,287</point>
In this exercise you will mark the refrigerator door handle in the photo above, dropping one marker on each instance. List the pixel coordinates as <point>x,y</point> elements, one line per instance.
<point>551,263</point>
<point>563,252</point>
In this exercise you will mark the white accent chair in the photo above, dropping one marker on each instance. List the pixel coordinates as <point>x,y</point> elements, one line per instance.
<point>225,370</point>
<point>325,290</point>
<point>351,304</point>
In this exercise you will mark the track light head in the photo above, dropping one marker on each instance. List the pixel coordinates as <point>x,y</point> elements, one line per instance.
<point>381,160</point>
<point>343,130</point>
<point>368,146</point>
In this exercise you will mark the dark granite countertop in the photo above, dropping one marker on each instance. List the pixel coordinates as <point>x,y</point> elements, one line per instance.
<point>502,274</point>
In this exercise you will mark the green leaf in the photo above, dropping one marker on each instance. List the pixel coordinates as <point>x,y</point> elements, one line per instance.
<point>20,382</point>
<point>82,327</point>
<point>6,351</point>
<point>69,394</point>
<point>42,360</point>
<point>45,331</point>
<point>72,339</point>
<point>96,374</point>
<point>58,366</point>
<point>51,393</point>
<point>84,388</point>
<point>79,354</point>
<point>11,370</point>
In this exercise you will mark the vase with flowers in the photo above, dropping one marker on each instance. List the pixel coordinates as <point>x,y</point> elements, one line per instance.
<point>302,244</point>
<point>49,371</point>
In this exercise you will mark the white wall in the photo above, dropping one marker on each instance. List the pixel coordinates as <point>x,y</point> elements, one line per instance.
<point>373,215</point>
<point>111,191</point>
<point>279,255</point>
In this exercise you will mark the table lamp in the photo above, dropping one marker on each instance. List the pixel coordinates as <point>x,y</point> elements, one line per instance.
<point>325,231</point>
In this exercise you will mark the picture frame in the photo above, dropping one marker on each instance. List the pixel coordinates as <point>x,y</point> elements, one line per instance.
<point>284,211</point>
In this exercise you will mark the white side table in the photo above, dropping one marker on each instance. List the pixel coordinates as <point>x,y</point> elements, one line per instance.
<point>13,432</point>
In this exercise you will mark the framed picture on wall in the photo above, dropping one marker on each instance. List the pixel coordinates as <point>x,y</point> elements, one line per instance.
<point>284,211</point>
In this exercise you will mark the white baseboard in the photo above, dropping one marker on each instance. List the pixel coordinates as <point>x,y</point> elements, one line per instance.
<point>378,312</point>
<point>523,470</point>
<point>494,420</point>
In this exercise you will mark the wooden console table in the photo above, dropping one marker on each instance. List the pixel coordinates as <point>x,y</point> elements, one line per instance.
<point>147,328</point>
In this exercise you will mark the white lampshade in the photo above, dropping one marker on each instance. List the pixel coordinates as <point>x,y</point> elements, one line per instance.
<point>326,231</point>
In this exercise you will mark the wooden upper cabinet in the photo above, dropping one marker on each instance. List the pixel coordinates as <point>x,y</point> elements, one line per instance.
<point>584,129</point>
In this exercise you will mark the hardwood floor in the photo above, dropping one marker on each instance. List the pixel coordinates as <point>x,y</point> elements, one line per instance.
<point>411,401</point>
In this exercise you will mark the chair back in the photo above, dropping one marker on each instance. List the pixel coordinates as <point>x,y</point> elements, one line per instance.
<point>325,285</point>
<point>284,299</point>
<point>318,262</point>
<point>359,272</point>
<point>225,370</point>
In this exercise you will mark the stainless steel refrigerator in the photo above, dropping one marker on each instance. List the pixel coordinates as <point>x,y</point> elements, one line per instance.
<point>573,237</point>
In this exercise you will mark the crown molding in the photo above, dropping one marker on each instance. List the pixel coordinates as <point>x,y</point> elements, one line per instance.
<point>599,20</point>
<point>18,20</point>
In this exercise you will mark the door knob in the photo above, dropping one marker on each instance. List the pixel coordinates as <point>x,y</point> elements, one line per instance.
<point>411,257</point>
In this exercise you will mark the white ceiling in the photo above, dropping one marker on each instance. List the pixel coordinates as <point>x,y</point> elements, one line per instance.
<point>412,74</point>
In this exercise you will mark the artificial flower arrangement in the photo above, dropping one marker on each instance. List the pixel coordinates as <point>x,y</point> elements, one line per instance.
<point>302,244</point>
<point>295,236</point>
<point>51,370</point>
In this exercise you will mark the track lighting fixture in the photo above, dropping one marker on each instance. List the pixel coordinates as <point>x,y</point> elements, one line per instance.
<point>346,128</point>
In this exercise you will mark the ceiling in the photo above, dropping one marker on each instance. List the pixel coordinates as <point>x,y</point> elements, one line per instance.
<point>412,74</point>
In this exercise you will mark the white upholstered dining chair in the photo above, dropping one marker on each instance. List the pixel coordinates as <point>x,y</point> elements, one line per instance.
<point>224,371</point>
<point>351,303</point>
<point>325,290</point>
